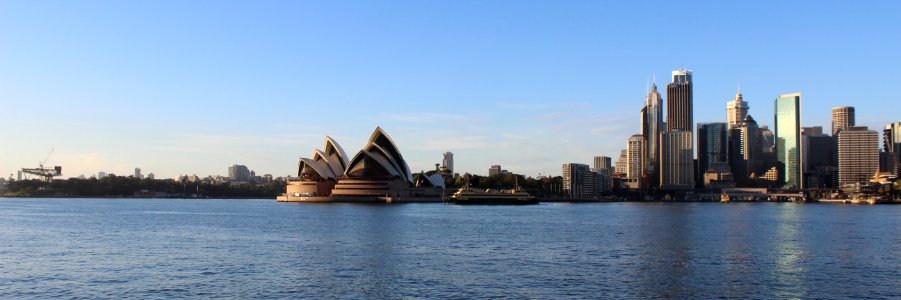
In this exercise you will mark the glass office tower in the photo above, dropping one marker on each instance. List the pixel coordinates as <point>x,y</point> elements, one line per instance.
<point>788,140</point>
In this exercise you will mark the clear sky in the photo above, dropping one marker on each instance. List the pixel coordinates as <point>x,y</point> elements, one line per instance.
<point>191,87</point>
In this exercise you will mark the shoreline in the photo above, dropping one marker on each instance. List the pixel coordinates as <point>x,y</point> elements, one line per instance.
<point>429,200</point>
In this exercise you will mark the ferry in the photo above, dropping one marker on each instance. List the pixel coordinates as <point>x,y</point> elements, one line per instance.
<point>468,195</point>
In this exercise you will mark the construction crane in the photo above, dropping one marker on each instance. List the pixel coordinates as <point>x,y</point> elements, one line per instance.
<point>46,174</point>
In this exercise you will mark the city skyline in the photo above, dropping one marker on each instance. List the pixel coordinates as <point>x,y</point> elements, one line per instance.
<point>176,94</point>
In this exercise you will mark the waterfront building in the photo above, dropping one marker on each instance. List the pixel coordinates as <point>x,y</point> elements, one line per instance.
<point>842,118</point>
<point>495,170</point>
<point>635,148</point>
<point>788,140</point>
<point>858,155</point>
<point>718,177</point>
<point>651,126</point>
<point>239,173</point>
<point>712,146</point>
<point>377,173</point>
<point>676,160</point>
<point>818,158</point>
<point>736,110</point>
<point>448,162</point>
<point>580,182</point>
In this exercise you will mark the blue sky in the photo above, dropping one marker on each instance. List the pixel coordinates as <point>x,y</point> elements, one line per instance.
<point>191,87</point>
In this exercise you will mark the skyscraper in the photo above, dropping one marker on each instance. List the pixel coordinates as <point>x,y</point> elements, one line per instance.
<point>138,173</point>
<point>651,127</point>
<point>635,148</point>
<point>767,158</point>
<point>676,161</point>
<point>891,137</point>
<point>891,143</point>
<point>679,105</point>
<point>788,140</point>
<point>858,155</point>
<point>736,110</point>
<point>744,152</point>
<point>842,118</point>
<point>818,158</point>
<point>712,146</point>
<point>448,162</point>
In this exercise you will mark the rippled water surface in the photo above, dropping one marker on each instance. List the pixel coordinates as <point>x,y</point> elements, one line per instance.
<point>148,248</point>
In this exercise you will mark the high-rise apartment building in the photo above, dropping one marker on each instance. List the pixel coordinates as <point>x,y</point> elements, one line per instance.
<point>736,110</point>
<point>679,105</point>
<point>448,162</point>
<point>635,148</point>
<point>842,118</point>
<point>858,155</point>
<point>138,173</point>
<point>602,165</point>
<point>494,170</point>
<point>239,173</point>
<point>651,126</point>
<point>676,160</point>
<point>713,148</point>
<point>788,140</point>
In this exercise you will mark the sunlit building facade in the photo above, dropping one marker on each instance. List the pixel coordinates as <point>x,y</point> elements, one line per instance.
<point>788,140</point>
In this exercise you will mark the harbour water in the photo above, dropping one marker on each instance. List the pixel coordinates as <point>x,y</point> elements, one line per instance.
<point>155,248</point>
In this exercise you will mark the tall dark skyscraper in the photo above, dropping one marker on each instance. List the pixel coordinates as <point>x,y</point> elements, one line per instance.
<point>745,150</point>
<point>679,105</point>
<point>891,144</point>
<point>819,158</point>
<point>712,146</point>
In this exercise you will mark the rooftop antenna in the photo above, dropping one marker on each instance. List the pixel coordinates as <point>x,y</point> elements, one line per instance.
<point>739,87</point>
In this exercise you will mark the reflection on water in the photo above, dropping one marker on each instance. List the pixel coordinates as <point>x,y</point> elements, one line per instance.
<point>790,251</point>
<point>263,249</point>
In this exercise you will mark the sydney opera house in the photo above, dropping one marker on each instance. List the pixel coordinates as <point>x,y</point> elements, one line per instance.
<point>377,173</point>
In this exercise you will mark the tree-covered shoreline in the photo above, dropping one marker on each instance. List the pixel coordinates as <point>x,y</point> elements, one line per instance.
<point>120,186</point>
